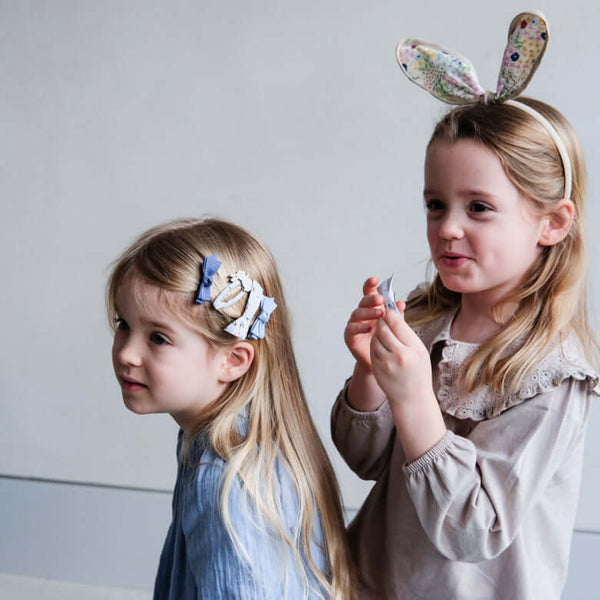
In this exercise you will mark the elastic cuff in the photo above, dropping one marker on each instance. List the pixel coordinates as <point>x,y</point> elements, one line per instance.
<point>423,462</point>
<point>382,412</point>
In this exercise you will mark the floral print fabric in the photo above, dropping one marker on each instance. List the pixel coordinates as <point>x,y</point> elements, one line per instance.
<point>527,40</point>
<point>452,78</point>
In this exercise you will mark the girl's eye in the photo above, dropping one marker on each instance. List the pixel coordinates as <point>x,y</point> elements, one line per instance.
<point>121,324</point>
<point>434,205</point>
<point>479,207</point>
<point>158,339</point>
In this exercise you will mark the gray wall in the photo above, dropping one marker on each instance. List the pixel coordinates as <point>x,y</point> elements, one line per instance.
<point>102,535</point>
<point>290,118</point>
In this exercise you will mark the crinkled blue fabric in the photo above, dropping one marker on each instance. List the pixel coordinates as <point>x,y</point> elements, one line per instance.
<point>199,560</point>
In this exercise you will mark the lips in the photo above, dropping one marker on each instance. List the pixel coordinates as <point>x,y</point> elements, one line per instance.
<point>453,259</point>
<point>128,384</point>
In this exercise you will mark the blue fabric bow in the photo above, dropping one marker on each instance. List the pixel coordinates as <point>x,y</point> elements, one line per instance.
<point>210,266</point>
<point>267,306</point>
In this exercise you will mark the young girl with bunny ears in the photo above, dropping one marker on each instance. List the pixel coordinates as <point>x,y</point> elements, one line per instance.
<point>470,412</point>
<point>202,333</point>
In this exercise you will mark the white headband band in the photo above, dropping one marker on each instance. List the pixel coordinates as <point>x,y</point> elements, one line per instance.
<point>560,145</point>
<point>452,78</point>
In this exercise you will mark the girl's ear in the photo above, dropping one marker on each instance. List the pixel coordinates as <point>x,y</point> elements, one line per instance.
<point>557,223</point>
<point>236,361</point>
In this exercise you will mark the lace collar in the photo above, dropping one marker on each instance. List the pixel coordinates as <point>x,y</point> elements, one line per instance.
<point>563,362</point>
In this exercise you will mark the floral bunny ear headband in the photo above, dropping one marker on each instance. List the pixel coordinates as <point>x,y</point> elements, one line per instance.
<point>452,78</point>
<point>240,286</point>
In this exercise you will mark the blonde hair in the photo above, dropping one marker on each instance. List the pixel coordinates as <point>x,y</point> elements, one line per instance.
<point>270,393</point>
<point>552,300</point>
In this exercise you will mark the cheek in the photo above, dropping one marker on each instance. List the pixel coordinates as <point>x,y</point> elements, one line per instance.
<point>118,346</point>
<point>432,235</point>
<point>114,353</point>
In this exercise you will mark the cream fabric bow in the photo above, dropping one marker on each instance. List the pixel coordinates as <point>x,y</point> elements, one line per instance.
<point>452,78</point>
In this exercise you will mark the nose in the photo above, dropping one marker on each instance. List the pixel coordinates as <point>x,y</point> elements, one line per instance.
<point>451,226</point>
<point>126,350</point>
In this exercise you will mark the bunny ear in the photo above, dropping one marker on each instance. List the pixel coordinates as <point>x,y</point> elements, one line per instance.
<point>452,79</point>
<point>527,41</point>
<point>443,73</point>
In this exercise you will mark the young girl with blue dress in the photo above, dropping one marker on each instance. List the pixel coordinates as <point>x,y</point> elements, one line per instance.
<point>202,333</point>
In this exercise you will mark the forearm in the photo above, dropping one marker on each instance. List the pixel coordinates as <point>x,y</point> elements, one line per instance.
<point>363,392</point>
<point>401,365</point>
<point>472,493</point>
<point>420,425</point>
<point>364,439</point>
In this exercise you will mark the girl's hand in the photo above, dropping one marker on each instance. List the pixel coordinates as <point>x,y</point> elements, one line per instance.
<point>361,326</point>
<point>400,361</point>
<point>402,368</point>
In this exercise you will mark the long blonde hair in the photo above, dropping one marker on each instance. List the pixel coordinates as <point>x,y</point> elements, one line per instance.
<point>552,300</point>
<point>270,394</point>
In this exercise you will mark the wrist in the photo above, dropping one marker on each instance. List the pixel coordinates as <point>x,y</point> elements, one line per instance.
<point>419,424</point>
<point>362,369</point>
<point>363,392</point>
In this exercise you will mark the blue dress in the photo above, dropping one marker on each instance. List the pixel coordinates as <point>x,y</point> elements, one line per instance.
<point>199,560</point>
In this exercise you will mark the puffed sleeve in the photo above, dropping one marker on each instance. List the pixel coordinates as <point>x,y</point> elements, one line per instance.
<point>473,494</point>
<point>364,439</point>
<point>218,569</point>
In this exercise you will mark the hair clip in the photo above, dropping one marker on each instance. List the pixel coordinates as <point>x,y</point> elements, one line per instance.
<point>386,290</point>
<point>241,325</point>
<point>241,280</point>
<point>210,266</point>
<point>267,306</point>
<point>225,298</point>
<point>452,78</point>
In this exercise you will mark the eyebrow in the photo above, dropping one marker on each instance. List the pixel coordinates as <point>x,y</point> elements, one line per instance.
<point>158,325</point>
<point>154,324</point>
<point>462,192</point>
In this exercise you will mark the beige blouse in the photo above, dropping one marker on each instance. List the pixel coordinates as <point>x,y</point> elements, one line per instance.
<point>488,512</point>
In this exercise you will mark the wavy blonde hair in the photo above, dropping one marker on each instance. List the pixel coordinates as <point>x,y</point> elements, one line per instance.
<point>552,300</point>
<point>270,393</point>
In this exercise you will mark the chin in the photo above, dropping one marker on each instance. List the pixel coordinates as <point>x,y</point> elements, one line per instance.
<point>453,286</point>
<point>135,407</point>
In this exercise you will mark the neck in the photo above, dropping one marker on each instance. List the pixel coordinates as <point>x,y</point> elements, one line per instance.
<point>474,322</point>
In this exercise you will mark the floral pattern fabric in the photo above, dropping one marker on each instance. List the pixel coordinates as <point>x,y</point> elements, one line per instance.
<point>452,78</point>
<point>527,40</point>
